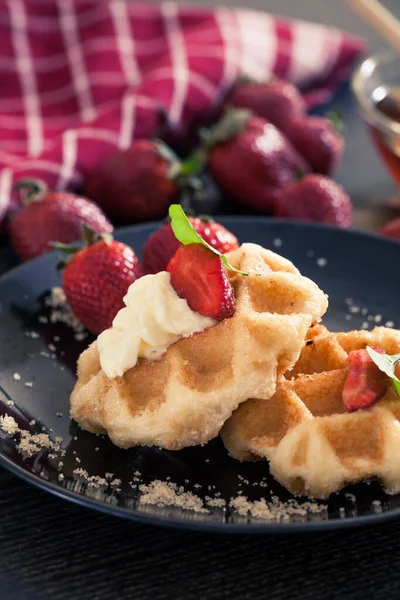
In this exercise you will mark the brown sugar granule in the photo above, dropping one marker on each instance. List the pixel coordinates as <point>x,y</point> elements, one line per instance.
<point>164,493</point>
<point>31,444</point>
<point>62,313</point>
<point>9,425</point>
<point>81,472</point>
<point>215,502</point>
<point>275,510</point>
<point>94,481</point>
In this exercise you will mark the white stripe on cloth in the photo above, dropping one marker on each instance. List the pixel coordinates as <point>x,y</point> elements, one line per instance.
<point>6,177</point>
<point>69,30</point>
<point>176,42</point>
<point>228,30</point>
<point>125,42</point>
<point>195,79</point>
<point>24,65</point>
<point>314,51</point>
<point>258,44</point>
<point>127,120</point>
<point>69,149</point>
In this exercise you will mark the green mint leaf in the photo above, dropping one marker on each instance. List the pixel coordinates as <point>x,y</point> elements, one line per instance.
<point>396,385</point>
<point>186,234</point>
<point>387,364</point>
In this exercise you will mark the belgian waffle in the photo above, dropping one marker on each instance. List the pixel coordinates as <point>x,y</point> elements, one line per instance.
<point>313,445</point>
<point>184,398</point>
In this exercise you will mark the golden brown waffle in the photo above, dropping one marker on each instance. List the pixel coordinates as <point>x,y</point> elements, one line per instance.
<point>184,398</point>
<point>313,444</point>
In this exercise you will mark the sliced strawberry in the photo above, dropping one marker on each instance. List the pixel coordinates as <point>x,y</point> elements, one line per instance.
<point>365,383</point>
<point>198,275</point>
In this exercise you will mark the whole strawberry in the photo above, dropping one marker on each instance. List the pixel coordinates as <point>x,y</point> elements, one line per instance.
<point>276,101</point>
<point>97,278</point>
<point>251,160</point>
<point>137,184</point>
<point>318,142</point>
<point>316,198</point>
<point>162,244</point>
<point>47,215</point>
<point>391,229</point>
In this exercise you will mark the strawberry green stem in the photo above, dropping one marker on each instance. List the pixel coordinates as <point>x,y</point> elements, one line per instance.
<point>231,124</point>
<point>31,190</point>
<point>88,236</point>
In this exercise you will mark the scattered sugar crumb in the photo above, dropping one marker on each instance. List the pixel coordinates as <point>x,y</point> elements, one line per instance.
<point>163,493</point>
<point>377,504</point>
<point>56,338</point>
<point>349,301</point>
<point>31,444</point>
<point>275,510</point>
<point>62,313</point>
<point>364,325</point>
<point>10,403</point>
<point>59,415</point>
<point>215,502</point>
<point>277,242</point>
<point>16,377</point>
<point>389,324</point>
<point>32,423</point>
<point>354,309</point>
<point>322,262</point>
<point>28,384</point>
<point>9,425</point>
<point>348,317</point>
<point>43,319</point>
<point>378,318</point>
<point>61,477</point>
<point>80,472</point>
<point>350,496</point>
<point>51,347</point>
<point>32,334</point>
<point>364,311</point>
<point>94,481</point>
<point>116,482</point>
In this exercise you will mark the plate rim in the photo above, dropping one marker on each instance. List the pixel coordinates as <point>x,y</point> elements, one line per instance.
<point>262,527</point>
<point>262,219</point>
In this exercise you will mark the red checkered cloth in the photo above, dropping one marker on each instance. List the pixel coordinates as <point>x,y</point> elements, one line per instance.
<point>82,78</point>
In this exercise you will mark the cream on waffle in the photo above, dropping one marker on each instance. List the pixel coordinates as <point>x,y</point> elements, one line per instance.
<point>184,398</point>
<point>313,445</point>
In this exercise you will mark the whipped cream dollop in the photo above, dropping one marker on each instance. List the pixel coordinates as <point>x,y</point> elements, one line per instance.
<point>154,318</point>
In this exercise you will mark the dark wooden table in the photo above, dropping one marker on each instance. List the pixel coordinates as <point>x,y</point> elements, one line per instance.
<point>50,549</point>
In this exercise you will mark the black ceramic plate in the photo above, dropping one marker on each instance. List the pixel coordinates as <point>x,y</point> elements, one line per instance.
<point>356,270</point>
